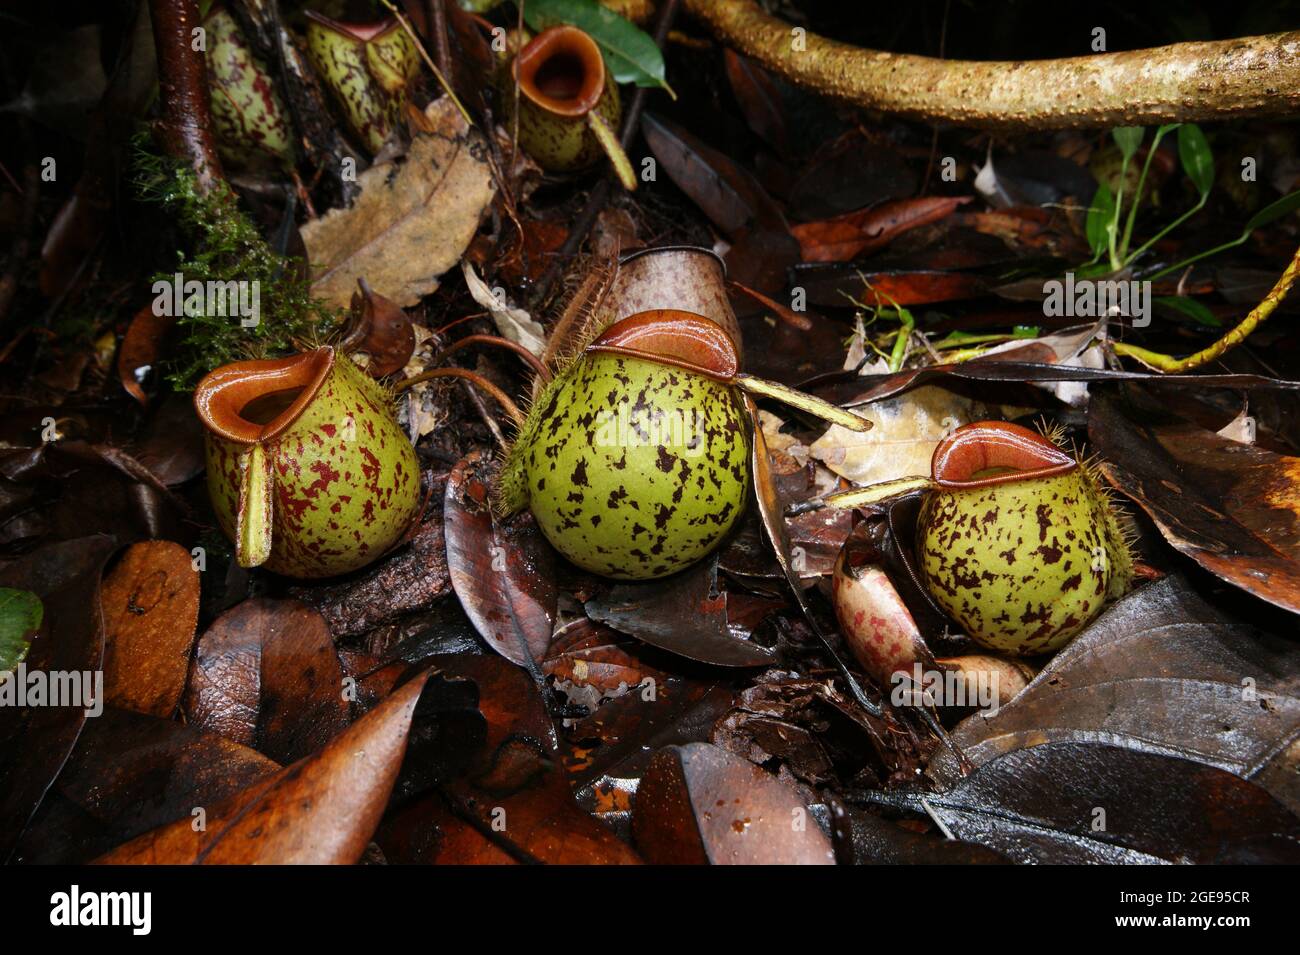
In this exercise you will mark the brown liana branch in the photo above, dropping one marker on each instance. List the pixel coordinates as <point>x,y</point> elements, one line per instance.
<point>1222,79</point>
<point>186,127</point>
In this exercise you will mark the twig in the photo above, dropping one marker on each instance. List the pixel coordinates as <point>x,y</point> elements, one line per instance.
<point>524,354</point>
<point>1258,315</point>
<point>419,47</point>
<point>473,378</point>
<point>481,407</point>
<point>437,16</point>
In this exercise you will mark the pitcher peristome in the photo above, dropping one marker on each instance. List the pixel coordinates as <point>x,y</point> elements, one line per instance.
<point>308,471</point>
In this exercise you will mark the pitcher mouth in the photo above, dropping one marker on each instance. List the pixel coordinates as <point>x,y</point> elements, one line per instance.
<point>365,32</point>
<point>252,401</point>
<point>996,452</point>
<point>561,70</point>
<point>696,249</point>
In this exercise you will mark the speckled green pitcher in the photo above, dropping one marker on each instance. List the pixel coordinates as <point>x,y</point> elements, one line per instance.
<point>367,66</point>
<point>568,103</point>
<point>308,471</point>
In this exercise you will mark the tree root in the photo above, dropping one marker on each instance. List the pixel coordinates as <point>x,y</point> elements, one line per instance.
<point>1251,76</point>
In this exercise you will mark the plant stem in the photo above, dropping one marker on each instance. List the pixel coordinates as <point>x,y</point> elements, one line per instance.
<point>1137,200</point>
<point>1200,255</point>
<point>902,337</point>
<point>1116,253</point>
<point>1258,315</point>
<point>1170,227</point>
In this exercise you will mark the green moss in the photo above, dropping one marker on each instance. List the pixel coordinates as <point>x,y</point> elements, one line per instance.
<point>225,246</point>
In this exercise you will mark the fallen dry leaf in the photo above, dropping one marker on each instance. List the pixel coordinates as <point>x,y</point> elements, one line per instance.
<point>266,675</point>
<point>141,347</point>
<point>380,329</point>
<point>846,237</point>
<point>1162,671</point>
<point>906,429</point>
<point>36,740</point>
<point>512,803</point>
<point>700,804</point>
<point>513,323</point>
<point>1231,507</point>
<point>1041,805</point>
<point>110,791</point>
<point>320,811</point>
<point>151,607</point>
<point>759,98</point>
<point>685,613</point>
<point>412,221</point>
<point>502,571</point>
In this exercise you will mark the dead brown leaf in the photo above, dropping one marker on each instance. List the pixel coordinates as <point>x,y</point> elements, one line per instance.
<point>848,236</point>
<point>412,221</point>
<point>266,675</point>
<point>320,811</point>
<point>151,607</point>
<point>516,779</point>
<point>1233,508</point>
<point>381,330</point>
<point>502,571</point>
<point>699,804</point>
<point>141,348</point>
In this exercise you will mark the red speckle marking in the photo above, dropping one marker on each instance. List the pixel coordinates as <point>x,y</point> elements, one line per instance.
<point>325,477</point>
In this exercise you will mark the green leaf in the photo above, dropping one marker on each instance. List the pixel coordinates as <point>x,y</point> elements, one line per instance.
<point>20,618</point>
<point>1198,161</point>
<point>1128,139</point>
<point>1273,211</point>
<point>630,53</point>
<point>1100,217</point>
<point>1196,311</point>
